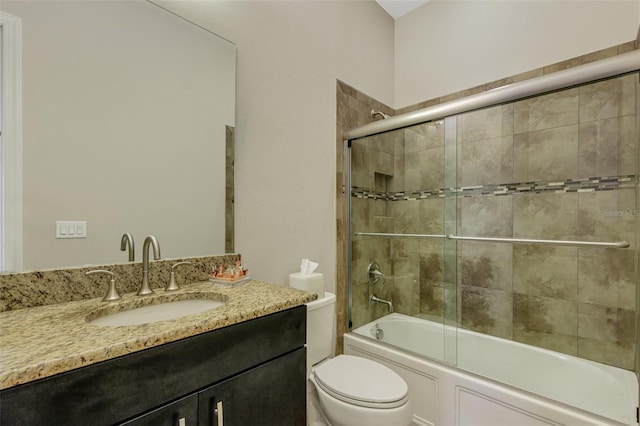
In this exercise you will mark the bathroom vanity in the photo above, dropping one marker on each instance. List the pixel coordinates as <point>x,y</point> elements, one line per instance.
<point>241,364</point>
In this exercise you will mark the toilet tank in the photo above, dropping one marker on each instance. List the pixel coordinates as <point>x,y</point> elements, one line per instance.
<point>321,328</point>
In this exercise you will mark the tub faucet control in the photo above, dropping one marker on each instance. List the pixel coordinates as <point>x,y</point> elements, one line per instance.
<point>374,274</point>
<point>373,299</point>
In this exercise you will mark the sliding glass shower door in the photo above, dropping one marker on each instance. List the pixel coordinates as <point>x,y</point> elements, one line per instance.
<point>400,210</point>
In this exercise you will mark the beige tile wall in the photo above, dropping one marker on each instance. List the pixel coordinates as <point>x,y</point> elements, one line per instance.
<point>568,299</point>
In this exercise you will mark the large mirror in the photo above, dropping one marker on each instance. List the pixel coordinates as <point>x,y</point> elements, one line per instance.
<point>126,112</point>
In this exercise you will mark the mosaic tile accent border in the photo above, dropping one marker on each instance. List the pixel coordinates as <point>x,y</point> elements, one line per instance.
<point>603,183</point>
<point>397,196</point>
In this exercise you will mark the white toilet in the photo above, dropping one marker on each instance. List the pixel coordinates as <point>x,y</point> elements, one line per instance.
<point>352,391</point>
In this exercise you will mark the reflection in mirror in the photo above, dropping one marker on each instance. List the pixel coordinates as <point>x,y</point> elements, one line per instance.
<point>125,115</point>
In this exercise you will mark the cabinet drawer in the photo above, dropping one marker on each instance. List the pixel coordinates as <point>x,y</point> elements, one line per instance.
<point>183,412</point>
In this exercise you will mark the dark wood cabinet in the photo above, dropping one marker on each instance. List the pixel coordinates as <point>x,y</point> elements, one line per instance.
<point>256,369</point>
<point>268,395</point>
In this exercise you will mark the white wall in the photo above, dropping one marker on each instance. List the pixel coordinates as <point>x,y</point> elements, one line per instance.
<point>289,55</point>
<point>447,46</point>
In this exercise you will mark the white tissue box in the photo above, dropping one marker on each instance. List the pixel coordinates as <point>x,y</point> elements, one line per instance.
<point>313,283</point>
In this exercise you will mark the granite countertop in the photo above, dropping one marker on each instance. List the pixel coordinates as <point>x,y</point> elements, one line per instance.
<point>42,341</point>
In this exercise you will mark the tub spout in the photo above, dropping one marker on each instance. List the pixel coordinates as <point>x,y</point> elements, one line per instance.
<point>373,299</point>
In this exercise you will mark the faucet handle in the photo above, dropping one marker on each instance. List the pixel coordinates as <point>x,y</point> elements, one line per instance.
<point>112,293</point>
<point>172,282</point>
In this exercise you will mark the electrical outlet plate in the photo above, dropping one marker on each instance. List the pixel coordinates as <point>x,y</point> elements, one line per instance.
<point>71,229</point>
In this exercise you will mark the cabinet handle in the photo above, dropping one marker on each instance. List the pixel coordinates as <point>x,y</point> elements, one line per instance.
<point>218,413</point>
<point>182,421</point>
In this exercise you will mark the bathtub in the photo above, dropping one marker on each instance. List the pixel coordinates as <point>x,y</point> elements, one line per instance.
<point>493,382</point>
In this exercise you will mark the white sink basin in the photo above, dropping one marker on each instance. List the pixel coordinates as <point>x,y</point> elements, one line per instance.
<point>160,312</point>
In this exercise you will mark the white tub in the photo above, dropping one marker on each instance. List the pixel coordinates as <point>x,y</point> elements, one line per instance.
<point>497,381</point>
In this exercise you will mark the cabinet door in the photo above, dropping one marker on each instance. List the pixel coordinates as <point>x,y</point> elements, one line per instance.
<point>273,394</point>
<point>183,412</point>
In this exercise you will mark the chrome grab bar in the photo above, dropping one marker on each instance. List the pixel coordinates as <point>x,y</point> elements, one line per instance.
<point>618,244</point>
<point>388,234</point>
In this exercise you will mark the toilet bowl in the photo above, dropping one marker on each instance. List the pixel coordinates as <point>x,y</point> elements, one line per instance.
<point>355,391</point>
<point>351,391</point>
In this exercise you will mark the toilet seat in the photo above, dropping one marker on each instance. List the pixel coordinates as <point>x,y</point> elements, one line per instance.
<point>361,382</point>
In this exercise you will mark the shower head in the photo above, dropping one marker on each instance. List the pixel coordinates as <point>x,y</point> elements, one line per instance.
<point>375,113</point>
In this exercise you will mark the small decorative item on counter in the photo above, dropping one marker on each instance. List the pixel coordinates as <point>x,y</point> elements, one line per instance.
<point>230,274</point>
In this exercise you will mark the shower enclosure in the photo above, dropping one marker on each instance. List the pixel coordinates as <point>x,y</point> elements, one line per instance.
<point>513,215</point>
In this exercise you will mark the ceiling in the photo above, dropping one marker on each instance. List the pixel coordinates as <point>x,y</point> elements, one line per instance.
<point>397,8</point>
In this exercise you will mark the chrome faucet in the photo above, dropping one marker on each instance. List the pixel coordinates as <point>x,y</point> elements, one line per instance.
<point>373,299</point>
<point>127,240</point>
<point>145,289</point>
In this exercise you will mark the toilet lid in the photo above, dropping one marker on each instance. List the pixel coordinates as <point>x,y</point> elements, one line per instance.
<point>362,382</point>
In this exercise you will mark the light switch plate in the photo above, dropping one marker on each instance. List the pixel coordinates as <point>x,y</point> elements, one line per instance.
<point>71,229</point>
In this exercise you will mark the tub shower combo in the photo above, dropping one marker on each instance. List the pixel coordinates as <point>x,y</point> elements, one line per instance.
<point>494,250</point>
